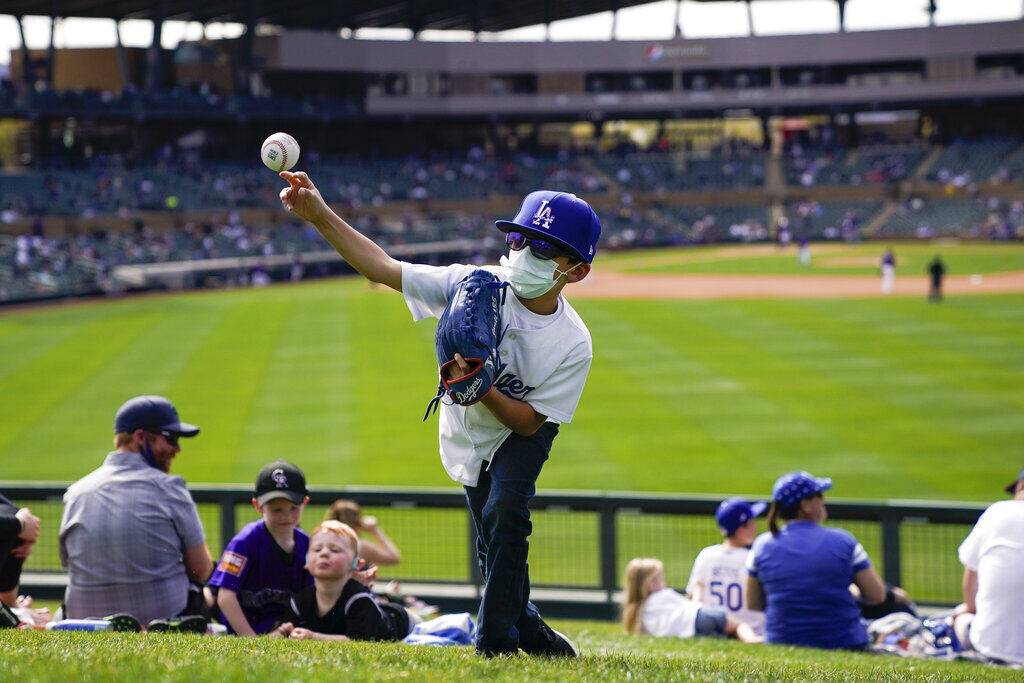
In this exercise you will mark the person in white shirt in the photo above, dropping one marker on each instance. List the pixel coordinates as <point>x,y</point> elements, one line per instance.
<point>719,574</point>
<point>495,448</point>
<point>652,608</point>
<point>991,618</point>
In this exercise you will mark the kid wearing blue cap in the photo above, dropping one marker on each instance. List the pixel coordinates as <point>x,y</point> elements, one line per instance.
<point>801,575</point>
<point>496,448</point>
<point>719,574</point>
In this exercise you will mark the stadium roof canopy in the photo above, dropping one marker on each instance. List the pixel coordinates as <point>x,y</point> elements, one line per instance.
<point>473,15</point>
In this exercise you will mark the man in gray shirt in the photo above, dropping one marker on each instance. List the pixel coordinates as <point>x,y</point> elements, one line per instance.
<point>131,537</point>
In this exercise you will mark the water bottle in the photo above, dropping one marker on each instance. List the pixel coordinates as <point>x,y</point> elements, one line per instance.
<point>79,625</point>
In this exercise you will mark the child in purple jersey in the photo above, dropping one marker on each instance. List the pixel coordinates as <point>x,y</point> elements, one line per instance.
<point>265,562</point>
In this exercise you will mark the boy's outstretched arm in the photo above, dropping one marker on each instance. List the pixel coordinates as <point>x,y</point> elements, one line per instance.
<point>227,600</point>
<point>303,199</point>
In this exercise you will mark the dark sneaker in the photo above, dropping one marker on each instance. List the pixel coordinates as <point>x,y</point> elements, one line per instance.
<point>193,624</point>
<point>124,622</point>
<point>547,641</point>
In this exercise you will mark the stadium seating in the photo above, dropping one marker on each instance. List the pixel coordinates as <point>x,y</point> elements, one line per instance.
<point>966,161</point>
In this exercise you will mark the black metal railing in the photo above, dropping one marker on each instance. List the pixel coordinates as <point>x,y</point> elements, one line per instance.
<point>581,540</point>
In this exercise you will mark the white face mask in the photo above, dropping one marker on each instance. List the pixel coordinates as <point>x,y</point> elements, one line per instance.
<point>530,276</point>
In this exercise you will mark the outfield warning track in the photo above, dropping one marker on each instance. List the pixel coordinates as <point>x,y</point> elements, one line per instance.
<point>615,285</point>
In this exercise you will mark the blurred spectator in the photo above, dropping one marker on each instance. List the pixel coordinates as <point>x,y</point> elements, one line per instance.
<point>719,574</point>
<point>19,531</point>
<point>131,538</point>
<point>801,575</point>
<point>991,618</point>
<point>382,551</point>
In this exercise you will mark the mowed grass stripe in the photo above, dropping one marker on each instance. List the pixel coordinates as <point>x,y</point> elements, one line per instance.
<point>394,369</point>
<point>51,377</point>
<point>925,363</point>
<point>687,414</point>
<point>302,412</point>
<point>635,406</point>
<point>218,388</point>
<point>842,445</point>
<point>901,373</point>
<point>85,414</point>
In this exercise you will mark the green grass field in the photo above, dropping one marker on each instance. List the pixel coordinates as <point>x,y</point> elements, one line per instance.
<point>608,655</point>
<point>894,398</point>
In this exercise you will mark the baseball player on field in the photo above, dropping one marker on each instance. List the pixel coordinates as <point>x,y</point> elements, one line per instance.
<point>497,446</point>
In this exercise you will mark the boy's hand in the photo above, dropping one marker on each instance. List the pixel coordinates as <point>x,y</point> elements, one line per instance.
<point>29,525</point>
<point>366,574</point>
<point>301,197</point>
<point>282,631</point>
<point>302,634</point>
<point>460,368</point>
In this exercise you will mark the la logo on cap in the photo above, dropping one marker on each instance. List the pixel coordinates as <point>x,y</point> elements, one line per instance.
<point>279,479</point>
<point>543,217</point>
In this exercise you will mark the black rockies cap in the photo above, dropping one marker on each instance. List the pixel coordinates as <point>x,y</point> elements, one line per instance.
<point>280,479</point>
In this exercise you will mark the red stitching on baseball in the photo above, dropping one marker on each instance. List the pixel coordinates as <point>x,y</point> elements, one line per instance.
<point>284,151</point>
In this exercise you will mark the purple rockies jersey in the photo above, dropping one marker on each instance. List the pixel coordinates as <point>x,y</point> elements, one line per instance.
<point>264,576</point>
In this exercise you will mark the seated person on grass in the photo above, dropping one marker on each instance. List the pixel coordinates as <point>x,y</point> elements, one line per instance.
<point>382,551</point>
<point>800,576</point>
<point>337,606</point>
<point>719,574</point>
<point>265,562</point>
<point>655,609</point>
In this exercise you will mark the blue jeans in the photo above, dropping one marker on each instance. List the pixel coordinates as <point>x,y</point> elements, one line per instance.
<point>499,504</point>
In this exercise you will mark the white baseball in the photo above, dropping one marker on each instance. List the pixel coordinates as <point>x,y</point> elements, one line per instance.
<point>280,152</point>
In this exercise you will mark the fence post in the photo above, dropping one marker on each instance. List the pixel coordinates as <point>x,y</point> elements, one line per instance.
<point>608,549</point>
<point>227,521</point>
<point>891,547</point>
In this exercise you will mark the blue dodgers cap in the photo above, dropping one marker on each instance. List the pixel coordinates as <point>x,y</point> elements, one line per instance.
<point>733,513</point>
<point>793,487</point>
<point>560,217</point>
<point>152,413</point>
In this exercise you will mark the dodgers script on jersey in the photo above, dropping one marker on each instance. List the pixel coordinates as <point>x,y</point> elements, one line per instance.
<point>545,360</point>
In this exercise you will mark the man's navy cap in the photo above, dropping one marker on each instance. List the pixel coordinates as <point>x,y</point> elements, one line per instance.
<point>280,479</point>
<point>1012,488</point>
<point>560,217</point>
<point>733,513</point>
<point>152,413</point>
<point>793,487</point>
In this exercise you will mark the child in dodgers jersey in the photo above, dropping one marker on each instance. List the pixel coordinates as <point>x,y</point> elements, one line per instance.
<point>545,361</point>
<point>545,356</point>
<point>719,574</point>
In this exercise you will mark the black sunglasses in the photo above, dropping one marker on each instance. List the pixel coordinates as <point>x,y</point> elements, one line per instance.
<point>172,438</point>
<point>542,249</point>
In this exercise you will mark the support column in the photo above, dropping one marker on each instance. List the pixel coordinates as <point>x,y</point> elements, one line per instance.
<point>248,41</point>
<point>750,19</point>
<point>122,59</point>
<point>615,18</point>
<point>679,20</point>
<point>154,58</point>
<point>842,15</point>
<point>51,53</point>
<point>27,72</point>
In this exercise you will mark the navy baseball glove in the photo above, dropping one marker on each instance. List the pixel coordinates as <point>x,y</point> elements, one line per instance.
<point>470,326</point>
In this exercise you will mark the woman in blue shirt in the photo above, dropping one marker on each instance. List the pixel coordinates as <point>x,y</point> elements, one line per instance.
<point>800,576</point>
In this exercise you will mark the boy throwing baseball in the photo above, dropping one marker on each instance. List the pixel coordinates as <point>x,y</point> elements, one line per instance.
<point>496,448</point>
